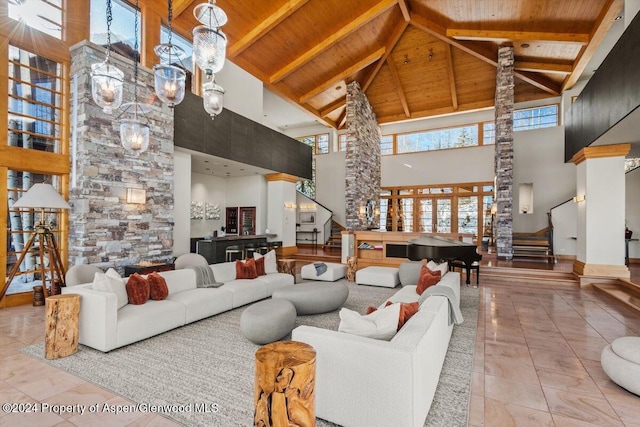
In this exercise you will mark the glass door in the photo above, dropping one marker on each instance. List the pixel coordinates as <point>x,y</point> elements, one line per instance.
<point>443,215</point>
<point>426,216</point>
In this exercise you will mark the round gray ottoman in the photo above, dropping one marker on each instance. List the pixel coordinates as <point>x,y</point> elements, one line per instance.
<point>621,362</point>
<point>314,297</point>
<point>268,321</point>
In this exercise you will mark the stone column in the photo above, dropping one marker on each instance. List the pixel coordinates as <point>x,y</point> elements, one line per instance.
<point>504,152</point>
<point>362,159</point>
<point>600,198</point>
<point>281,213</point>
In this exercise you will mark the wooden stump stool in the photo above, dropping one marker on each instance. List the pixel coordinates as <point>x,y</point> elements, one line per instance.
<point>352,267</point>
<point>287,266</point>
<point>284,390</point>
<point>61,328</point>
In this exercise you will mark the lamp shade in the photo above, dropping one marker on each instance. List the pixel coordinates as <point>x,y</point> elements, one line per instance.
<point>213,98</point>
<point>42,196</point>
<point>106,86</point>
<point>209,49</point>
<point>169,83</point>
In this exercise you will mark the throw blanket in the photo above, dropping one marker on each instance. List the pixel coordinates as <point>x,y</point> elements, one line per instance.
<point>455,315</point>
<point>204,276</point>
<point>321,267</point>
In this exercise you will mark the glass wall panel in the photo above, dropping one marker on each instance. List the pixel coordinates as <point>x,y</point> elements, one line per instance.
<point>123,32</point>
<point>426,215</point>
<point>406,214</point>
<point>468,214</point>
<point>384,210</point>
<point>443,207</point>
<point>41,15</point>
<point>386,145</point>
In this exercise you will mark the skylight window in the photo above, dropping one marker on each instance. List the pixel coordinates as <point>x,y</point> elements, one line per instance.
<point>41,15</point>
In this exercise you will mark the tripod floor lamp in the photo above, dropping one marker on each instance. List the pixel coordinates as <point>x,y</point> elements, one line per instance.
<point>41,196</point>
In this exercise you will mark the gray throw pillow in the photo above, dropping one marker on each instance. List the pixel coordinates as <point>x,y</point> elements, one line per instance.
<point>409,273</point>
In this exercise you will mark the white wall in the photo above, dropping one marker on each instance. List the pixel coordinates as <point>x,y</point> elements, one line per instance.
<point>182,202</point>
<point>321,215</point>
<point>249,191</point>
<point>243,92</point>
<point>565,228</point>
<point>539,159</point>
<point>330,185</point>
<point>210,189</point>
<point>632,209</point>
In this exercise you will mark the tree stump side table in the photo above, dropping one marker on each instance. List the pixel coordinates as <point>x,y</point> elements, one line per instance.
<point>287,266</point>
<point>284,389</point>
<point>61,325</point>
<point>352,267</point>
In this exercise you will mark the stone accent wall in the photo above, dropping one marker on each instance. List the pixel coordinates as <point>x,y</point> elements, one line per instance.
<point>104,229</point>
<point>504,152</point>
<point>362,159</point>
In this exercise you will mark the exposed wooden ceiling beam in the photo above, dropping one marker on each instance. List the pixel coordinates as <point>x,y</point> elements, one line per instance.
<point>393,40</point>
<point>502,35</point>
<point>404,8</point>
<point>266,25</point>
<point>439,32</point>
<point>332,39</point>
<point>340,102</point>
<point>600,29</point>
<point>543,67</point>
<point>370,59</point>
<point>437,111</point>
<point>398,85</point>
<point>342,120</point>
<point>179,6</point>
<point>452,77</point>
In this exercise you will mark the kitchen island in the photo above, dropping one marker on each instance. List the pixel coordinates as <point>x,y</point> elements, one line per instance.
<point>214,249</point>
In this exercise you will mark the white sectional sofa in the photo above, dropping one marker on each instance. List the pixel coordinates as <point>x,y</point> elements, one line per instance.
<point>104,327</point>
<point>368,382</point>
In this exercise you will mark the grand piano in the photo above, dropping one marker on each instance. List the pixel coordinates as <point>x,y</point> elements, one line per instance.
<point>436,247</point>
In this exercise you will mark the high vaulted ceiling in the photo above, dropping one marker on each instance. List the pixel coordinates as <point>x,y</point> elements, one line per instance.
<point>412,58</point>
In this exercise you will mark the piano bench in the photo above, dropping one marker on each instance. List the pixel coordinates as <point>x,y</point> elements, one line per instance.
<point>378,276</point>
<point>459,264</point>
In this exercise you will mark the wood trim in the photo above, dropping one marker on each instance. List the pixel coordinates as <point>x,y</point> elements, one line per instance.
<point>286,251</point>
<point>14,300</point>
<point>452,78</point>
<point>340,102</point>
<point>363,63</point>
<point>543,67</point>
<point>393,41</point>
<point>600,29</point>
<point>3,224</point>
<point>616,150</point>
<point>398,85</point>
<point>179,6</point>
<point>265,26</point>
<point>601,270</point>
<point>34,41</point>
<point>75,27</point>
<point>404,8</point>
<point>151,27</point>
<point>329,41</point>
<point>22,159</point>
<point>271,177</point>
<point>504,35</point>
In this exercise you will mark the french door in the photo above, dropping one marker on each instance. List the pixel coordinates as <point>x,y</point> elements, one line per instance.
<point>435,214</point>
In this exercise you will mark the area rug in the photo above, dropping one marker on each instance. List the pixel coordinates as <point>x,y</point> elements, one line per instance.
<point>207,368</point>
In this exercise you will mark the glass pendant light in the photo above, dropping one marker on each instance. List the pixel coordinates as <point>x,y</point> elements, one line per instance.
<point>169,79</point>
<point>213,97</point>
<point>107,79</point>
<point>134,134</point>
<point>209,43</point>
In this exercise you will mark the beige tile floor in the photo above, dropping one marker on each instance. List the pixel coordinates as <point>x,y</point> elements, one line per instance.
<point>536,364</point>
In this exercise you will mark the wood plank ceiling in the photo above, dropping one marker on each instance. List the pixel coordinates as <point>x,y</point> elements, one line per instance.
<point>413,58</point>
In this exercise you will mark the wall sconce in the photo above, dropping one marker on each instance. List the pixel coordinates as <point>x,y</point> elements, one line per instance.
<point>580,198</point>
<point>311,207</point>
<point>494,209</point>
<point>290,205</point>
<point>136,196</point>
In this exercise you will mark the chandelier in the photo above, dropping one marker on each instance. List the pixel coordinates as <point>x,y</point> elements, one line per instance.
<point>169,79</point>
<point>107,79</point>
<point>209,52</point>
<point>134,134</point>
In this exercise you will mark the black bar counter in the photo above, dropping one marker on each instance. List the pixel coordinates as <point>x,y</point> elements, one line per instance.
<point>214,249</point>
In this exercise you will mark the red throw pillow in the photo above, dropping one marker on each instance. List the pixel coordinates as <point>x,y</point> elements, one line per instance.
<point>260,266</point>
<point>158,289</point>
<point>246,270</point>
<point>137,289</point>
<point>371,309</point>
<point>427,278</point>
<point>406,311</point>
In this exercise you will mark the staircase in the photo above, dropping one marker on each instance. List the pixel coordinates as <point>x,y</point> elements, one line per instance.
<point>514,276</point>
<point>334,243</point>
<point>535,245</point>
<point>623,290</point>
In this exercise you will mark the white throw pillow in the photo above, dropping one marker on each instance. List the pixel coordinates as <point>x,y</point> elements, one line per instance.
<point>382,324</point>
<point>270,263</point>
<point>108,283</point>
<point>444,267</point>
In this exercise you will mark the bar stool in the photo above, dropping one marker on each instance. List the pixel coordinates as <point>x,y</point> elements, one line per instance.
<point>262,248</point>
<point>274,245</point>
<point>234,250</point>
<point>249,250</point>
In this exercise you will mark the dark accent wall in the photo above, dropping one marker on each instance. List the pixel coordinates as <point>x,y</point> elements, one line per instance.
<point>612,93</point>
<point>234,137</point>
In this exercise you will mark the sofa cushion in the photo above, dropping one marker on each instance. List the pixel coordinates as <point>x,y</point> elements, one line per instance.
<point>224,272</point>
<point>270,262</point>
<point>406,311</point>
<point>137,289</point>
<point>246,290</point>
<point>246,269</point>
<point>427,278</point>
<point>201,303</point>
<point>442,267</point>
<point>158,289</point>
<point>381,324</point>
<point>179,280</point>
<point>108,283</point>
<point>409,272</point>
<point>260,266</point>
<point>275,281</point>
<point>137,322</point>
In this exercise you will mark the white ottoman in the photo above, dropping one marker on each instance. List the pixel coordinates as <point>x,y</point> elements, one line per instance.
<point>378,276</point>
<point>334,272</point>
<point>621,362</point>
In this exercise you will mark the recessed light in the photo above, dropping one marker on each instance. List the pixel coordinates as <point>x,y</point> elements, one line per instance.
<point>338,87</point>
<point>524,45</point>
<point>206,161</point>
<point>208,169</point>
<point>617,18</point>
<point>407,165</point>
<point>226,166</point>
<point>241,169</point>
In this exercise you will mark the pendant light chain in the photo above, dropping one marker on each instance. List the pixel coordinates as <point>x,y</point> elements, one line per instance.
<point>170,18</point>
<point>109,19</point>
<point>136,58</point>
